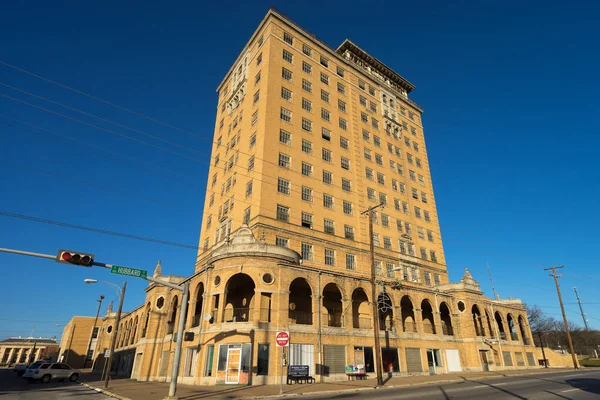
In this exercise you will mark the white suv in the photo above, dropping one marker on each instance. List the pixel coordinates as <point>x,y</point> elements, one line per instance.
<point>47,372</point>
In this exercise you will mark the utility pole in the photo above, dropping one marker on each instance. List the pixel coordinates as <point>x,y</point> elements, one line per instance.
<point>585,323</point>
<point>114,336</point>
<point>378,366</point>
<point>562,308</point>
<point>93,328</point>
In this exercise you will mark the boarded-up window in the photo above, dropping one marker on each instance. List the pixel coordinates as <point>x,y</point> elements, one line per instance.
<point>507,359</point>
<point>413,360</point>
<point>530,359</point>
<point>164,363</point>
<point>520,359</point>
<point>334,360</point>
<point>303,354</point>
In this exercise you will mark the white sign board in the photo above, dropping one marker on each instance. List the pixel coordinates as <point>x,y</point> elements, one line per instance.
<point>106,353</point>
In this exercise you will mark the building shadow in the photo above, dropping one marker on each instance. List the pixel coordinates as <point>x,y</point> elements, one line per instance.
<point>585,385</point>
<point>508,392</point>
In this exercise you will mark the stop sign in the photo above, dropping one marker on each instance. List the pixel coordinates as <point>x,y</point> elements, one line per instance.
<point>282,339</point>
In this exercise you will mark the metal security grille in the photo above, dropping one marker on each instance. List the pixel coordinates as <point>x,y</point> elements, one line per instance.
<point>530,359</point>
<point>303,354</point>
<point>334,359</point>
<point>507,359</point>
<point>413,360</point>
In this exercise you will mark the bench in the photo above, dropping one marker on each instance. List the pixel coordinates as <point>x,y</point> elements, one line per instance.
<point>299,374</point>
<point>353,372</point>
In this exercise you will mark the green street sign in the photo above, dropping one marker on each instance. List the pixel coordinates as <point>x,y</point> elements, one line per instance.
<point>137,273</point>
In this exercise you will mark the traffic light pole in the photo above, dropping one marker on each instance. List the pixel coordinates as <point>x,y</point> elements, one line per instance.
<point>183,288</point>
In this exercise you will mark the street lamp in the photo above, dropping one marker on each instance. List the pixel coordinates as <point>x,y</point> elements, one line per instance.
<point>121,292</point>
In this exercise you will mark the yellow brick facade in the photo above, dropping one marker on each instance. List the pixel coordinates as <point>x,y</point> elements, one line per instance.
<point>304,130</point>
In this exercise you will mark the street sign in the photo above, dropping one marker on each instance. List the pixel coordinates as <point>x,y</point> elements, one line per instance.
<point>282,339</point>
<point>106,353</point>
<point>137,273</point>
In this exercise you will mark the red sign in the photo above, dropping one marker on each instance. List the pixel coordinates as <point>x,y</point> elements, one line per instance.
<point>282,339</point>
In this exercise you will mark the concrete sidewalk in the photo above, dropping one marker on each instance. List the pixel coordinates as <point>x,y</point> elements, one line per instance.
<point>134,390</point>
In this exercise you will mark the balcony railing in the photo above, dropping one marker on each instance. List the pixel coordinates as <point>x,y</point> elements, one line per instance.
<point>300,317</point>
<point>526,341</point>
<point>170,327</point>
<point>447,330</point>
<point>428,328</point>
<point>514,336</point>
<point>503,335</point>
<point>240,314</point>
<point>362,323</point>
<point>334,320</point>
<point>196,320</point>
<point>410,327</point>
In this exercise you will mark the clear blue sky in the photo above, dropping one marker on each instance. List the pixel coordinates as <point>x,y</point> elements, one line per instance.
<point>510,93</point>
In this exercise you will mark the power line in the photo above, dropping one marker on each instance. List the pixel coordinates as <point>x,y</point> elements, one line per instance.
<point>96,230</point>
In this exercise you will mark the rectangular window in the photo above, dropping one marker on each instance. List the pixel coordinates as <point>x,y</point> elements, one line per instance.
<point>430,236</point>
<point>380,178</point>
<point>306,146</point>
<point>326,115</point>
<point>306,168</point>
<point>256,97</point>
<point>373,106</point>
<point>407,141</point>
<point>369,173</point>
<point>259,59</point>
<point>341,88</point>
<point>436,279</point>
<point>247,215</point>
<point>286,94</point>
<point>433,256</point>
<point>376,141</point>
<point>346,186</point>
<point>350,261</point>
<point>347,208</point>
<point>253,140</point>
<point>383,198</point>
<point>424,197</point>
<point>325,78</point>
<point>427,277</point>
<point>341,106</point>
<point>344,144</point>
<point>399,225</point>
<point>208,364</point>
<point>395,184</point>
<point>374,123</point>
<point>329,226</point>
<point>412,175</point>
<point>254,117</point>
<point>348,232</point>
<point>411,115</point>
<point>389,268</point>
<point>330,257</point>
<point>250,164</point>
<point>306,85</point>
<point>281,241</point>
<point>367,153</point>
<point>423,254</point>
<point>248,188</point>
<point>371,90</point>
<point>343,124</point>
<point>405,207</point>
<point>409,158</point>
<point>285,137</point>
<point>371,194</point>
<point>307,252</point>
<point>379,159</point>
<point>324,96</point>
<point>306,50</point>
<point>284,161</point>
<point>324,62</point>
<point>257,78</point>
<point>385,220</point>
<point>286,74</point>
<point>363,117</point>
<point>415,193</point>
<point>397,204</point>
<point>340,71</point>
<point>362,100</point>
<point>421,232</point>
<point>306,104</point>
<point>287,56</point>
<point>283,213</point>
<point>307,220</point>
<point>327,201</point>
<point>283,186</point>
<point>307,194</point>
<point>421,179</point>
<point>288,38</point>
<point>345,163</point>
<point>262,363</point>
<point>418,212</point>
<point>418,162</point>
<point>286,115</point>
<point>378,265</point>
<point>426,216</point>
<point>366,136</point>
<point>361,84</point>
<point>306,124</point>
<point>326,155</point>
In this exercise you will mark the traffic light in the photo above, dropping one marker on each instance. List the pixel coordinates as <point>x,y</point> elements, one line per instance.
<point>75,258</point>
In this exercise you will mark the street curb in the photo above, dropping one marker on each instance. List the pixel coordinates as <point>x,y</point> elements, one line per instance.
<point>393,386</point>
<point>104,392</point>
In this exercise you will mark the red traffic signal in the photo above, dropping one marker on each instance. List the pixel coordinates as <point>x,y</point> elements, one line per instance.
<point>75,258</point>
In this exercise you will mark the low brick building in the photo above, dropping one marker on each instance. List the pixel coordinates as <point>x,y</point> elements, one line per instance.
<point>25,350</point>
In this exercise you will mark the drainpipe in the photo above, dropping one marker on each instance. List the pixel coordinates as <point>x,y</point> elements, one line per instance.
<point>319,307</point>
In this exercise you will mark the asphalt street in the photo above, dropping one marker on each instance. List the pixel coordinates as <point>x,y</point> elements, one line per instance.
<point>584,385</point>
<point>13,387</point>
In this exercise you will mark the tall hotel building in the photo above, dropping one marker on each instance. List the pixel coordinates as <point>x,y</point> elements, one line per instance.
<point>306,138</point>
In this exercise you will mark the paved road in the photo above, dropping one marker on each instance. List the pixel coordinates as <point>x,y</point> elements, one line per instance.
<point>584,385</point>
<point>13,387</point>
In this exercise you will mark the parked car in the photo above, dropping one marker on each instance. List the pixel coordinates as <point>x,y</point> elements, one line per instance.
<point>20,368</point>
<point>48,371</point>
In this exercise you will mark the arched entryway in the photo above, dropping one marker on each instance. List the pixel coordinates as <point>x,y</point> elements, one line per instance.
<point>511,327</point>
<point>477,322</point>
<point>197,316</point>
<point>332,303</point>
<point>523,331</point>
<point>146,320</point>
<point>173,315</point>
<point>428,320</point>
<point>491,331</point>
<point>361,310</point>
<point>134,330</point>
<point>446,320</point>
<point>385,311</point>
<point>408,315</point>
<point>300,302</point>
<point>500,325</point>
<point>239,298</point>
